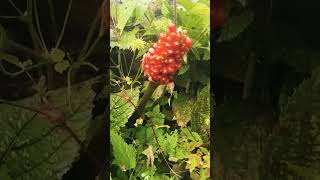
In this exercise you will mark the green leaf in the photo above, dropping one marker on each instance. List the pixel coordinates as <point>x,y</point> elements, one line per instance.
<point>182,108</point>
<point>122,106</point>
<point>62,66</point>
<point>156,27</point>
<point>141,8</point>
<point>35,148</point>
<point>236,25</point>
<point>184,69</point>
<point>156,116</point>
<point>200,116</point>
<point>127,40</point>
<point>10,59</point>
<point>124,154</point>
<point>121,12</point>
<point>57,55</point>
<point>169,142</point>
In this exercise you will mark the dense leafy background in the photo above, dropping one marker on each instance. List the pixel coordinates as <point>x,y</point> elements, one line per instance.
<point>162,144</point>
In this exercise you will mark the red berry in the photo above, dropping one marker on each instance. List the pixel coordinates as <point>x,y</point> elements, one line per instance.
<point>172,27</point>
<point>188,42</point>
<point>163,59</point>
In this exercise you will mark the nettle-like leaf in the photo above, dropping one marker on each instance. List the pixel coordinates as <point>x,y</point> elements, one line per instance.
<point>200,116</point>
<point>122,106</point>
<point>236,25</point>
<point>169,142</point>
<point>33,148</point>
<point>156,116</point>
<point>124,154</point>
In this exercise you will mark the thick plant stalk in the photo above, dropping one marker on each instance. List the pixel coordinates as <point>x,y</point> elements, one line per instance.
<point>148,93</point>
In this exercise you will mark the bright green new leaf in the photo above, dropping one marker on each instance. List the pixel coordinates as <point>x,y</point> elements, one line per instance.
<point>62,66</point>
<point>57,55</point>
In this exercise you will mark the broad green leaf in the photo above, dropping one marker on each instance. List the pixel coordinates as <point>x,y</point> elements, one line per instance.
<point>187,4</point>
<point>35,148</point>
<point>57,55</point>
<point>121,12</point>
<point>124,154</point>
<point>236,25</point>
<point>141,8</point>
<point>122,106</point>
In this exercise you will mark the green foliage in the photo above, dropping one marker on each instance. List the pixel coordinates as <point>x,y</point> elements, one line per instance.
<point>58,57</point>
<point>195,18</point>
<point>299,120</point>
<point>33,148</point>
<point>161,141</point>
<point>122,106</point>
<point>200,117</point>
<point>121,12</point>
<point>236,25</point>
<point>124,154</point>
<point>182,109</point>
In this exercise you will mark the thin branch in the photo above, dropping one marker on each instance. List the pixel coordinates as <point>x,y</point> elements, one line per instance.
<point>38,26</point>
<point>15,7</point>
<point>53,19</point>
<point>64,24</point>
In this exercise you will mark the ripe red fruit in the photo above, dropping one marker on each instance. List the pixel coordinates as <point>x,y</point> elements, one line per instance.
<point>163,59</point>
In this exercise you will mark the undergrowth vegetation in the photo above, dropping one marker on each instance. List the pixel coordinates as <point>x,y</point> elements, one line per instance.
<point>163,134</point>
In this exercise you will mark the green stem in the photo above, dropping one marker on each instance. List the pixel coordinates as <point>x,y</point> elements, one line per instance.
<point>148,93</point>
<point>64,24</point>
<point>53,20</point>
<point>43,43</point>
<point>89,37</point>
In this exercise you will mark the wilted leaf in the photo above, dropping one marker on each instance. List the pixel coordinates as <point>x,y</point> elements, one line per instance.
<point>149,153</point>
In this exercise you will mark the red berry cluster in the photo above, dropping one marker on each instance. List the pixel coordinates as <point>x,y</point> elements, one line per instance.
<point>163,59</point>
